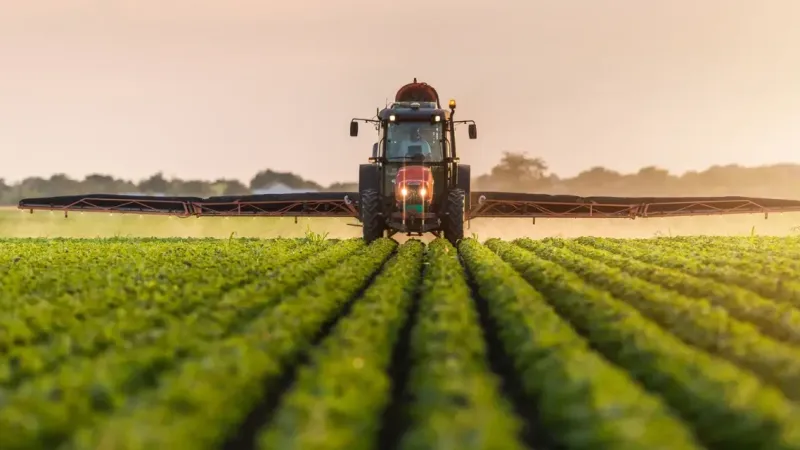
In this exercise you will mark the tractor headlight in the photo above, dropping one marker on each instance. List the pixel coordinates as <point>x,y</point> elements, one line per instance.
<point>423,192</point>
<point>404,192</point>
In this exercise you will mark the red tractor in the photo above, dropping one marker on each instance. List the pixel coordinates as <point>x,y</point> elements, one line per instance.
<point>414,183</point>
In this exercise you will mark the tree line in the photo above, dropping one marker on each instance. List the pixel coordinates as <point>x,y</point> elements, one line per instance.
<point>516,172</point>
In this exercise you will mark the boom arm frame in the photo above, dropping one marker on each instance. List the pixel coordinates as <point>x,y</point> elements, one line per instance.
<point>346,204</point>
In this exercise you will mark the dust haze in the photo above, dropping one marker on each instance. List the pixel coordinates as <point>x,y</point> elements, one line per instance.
<point>44,224</point>
<point>51,224</point>
<point>786,224</point>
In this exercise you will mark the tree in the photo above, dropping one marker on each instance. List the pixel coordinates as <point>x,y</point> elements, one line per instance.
<point>192,188</point>
<point>156,184</point>
<point>97,183</point>
<point>520,168</point>
<point>269,177</point>
<point>652,180</point>
<point>230,187</point>
<point>6,192</point>
<point>597,176</point>
<point>61,184</point>
<point>342,187</point>
<point>516,172</point>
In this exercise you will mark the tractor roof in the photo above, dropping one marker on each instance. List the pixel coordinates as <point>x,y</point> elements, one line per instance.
<point>413,111</point>
<point>415,101</point>
<point>417,92</point>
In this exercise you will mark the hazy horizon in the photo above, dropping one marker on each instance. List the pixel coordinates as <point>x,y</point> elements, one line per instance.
<point>206,90</point>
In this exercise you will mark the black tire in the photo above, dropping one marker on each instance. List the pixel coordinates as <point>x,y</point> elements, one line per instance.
<point>453,223</point>
<point>371,218</point>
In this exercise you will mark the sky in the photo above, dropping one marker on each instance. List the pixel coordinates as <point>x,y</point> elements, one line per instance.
<point>210,89</point>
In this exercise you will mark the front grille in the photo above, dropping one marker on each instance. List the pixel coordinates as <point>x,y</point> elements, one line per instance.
<point>413,195</point>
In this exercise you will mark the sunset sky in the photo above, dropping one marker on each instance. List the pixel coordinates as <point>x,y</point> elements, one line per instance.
<point>208,89</point>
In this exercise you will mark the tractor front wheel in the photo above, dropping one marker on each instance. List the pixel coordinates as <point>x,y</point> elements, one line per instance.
<point>453,224</point>
<point>371,217</point>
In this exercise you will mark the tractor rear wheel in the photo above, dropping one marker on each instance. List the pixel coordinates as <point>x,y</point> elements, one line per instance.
<point>453,223</point>
<point>371,217</point>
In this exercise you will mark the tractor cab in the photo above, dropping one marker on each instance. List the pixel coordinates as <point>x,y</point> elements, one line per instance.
<point>413,133</point>
<point>415,151</point>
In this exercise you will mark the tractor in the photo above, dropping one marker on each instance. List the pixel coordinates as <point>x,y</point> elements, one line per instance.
<point>413,182</point>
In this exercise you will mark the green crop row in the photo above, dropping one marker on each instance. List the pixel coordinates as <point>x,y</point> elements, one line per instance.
<point>83,390</point>
<point>694,320</point>
<point>774,318</point>
<point>200,404</point>
<point>759,245</point>
<point>727,407</point>
<point>54,289</point>
<point>584,401</point>
<point>341,393</point>
<point>774,260</point>
<point>781,289</point>
<point>134,312</point>
<point>455,399</point>
<point>686,342</point>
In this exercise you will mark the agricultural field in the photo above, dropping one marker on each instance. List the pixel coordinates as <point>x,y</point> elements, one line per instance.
<point>315,343</point>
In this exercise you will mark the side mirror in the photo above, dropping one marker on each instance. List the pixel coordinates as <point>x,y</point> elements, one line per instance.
<point>473,131</point>
<point>375,150</point>
<point>354,128</point>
